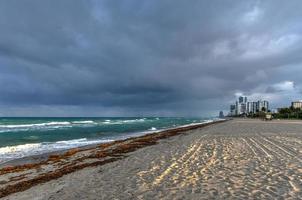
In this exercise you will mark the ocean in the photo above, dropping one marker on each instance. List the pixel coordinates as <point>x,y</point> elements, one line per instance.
<point>21,137</point>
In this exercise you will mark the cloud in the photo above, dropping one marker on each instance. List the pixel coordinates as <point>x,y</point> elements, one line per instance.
<point>284,86</point>
<point>279,94</point>
<point>252,15</point>
<point>145,57</point>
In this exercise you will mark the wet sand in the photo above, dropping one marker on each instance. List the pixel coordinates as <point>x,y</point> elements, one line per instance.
<point>237,159</point>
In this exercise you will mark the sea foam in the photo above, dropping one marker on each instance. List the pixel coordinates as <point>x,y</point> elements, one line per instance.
<point>87,131</point>
<point>83,122</point>
<point>35,125</point>
<point>19,151</point>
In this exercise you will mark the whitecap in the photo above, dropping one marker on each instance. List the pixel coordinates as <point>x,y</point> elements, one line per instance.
<point>83,122</point>
<point>19,151</point>
<point>35,125</point>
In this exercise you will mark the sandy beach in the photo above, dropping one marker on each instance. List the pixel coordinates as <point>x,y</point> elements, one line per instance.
<point>236,159</point>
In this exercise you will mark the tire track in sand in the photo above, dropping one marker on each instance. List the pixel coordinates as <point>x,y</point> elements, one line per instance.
<point>284,156</point>
<point>200,165</point>
<point>155,168</point>
<point>261,148</point>
<point>177,164</point>
<point>273,152</point>
<point>279,146</point>
<point>250,147</point>
<point>289,140</point>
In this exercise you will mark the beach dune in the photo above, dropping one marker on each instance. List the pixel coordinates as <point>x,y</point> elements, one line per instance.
<point>236,159</point>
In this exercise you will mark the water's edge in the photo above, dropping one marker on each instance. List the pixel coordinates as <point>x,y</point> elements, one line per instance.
<point>22,137</point>
<point>30,159</point>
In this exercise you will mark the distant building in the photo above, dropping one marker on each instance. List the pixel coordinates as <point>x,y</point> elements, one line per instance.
<point>232,110</point>
<point>221,115</point>
<point>297,104</point>
<point>263,106</point>
<point>242,99</point>
<point>243,107</point>
<point>254,107</point>
<point>249,107</point>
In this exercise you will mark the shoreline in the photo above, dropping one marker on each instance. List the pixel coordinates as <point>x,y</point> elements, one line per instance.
<point>62,163</point>
<point>29,159</point>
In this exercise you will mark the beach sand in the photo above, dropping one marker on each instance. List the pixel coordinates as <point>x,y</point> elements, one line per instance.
<point>237,159</point>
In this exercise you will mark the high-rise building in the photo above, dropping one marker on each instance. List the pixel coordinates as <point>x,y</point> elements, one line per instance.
<point>254,107</point>
<point>221,115</point>
<point>242,99</point>
<point>249,107</point>
<point>243,107</point>
<point>297,104</point>
<point>262,106</point>
<point>233,110</point>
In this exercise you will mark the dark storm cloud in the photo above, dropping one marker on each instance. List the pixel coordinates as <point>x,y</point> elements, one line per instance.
<point>144,57</point>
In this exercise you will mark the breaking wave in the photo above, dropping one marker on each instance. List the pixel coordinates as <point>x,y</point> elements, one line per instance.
<point>35,140</point>
<point>35,125</point>
<point>44,126</point>
<point>64,124</point>
<point>19,151</point>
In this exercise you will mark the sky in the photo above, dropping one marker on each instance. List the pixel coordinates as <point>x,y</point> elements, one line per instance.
<point>147,58</point>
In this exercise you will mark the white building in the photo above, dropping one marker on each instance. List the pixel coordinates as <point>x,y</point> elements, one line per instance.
<point>242,106</point>
<point>263,106</point>
<point>242,99</point>
<point>297,104</point>
<point>251,107</point>
<point>233,110</point>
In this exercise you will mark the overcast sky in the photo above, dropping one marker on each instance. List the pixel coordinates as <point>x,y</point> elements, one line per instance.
<point>135,58</point>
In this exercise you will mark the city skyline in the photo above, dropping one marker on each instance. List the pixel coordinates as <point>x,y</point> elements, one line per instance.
<point>244,107</point>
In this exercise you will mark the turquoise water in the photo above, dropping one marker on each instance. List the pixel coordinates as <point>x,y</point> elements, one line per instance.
<point>21,137</point>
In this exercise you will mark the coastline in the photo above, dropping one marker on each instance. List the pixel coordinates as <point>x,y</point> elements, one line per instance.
<point>67,161</point>
<point>34,142</point>
<point>31,159</point>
